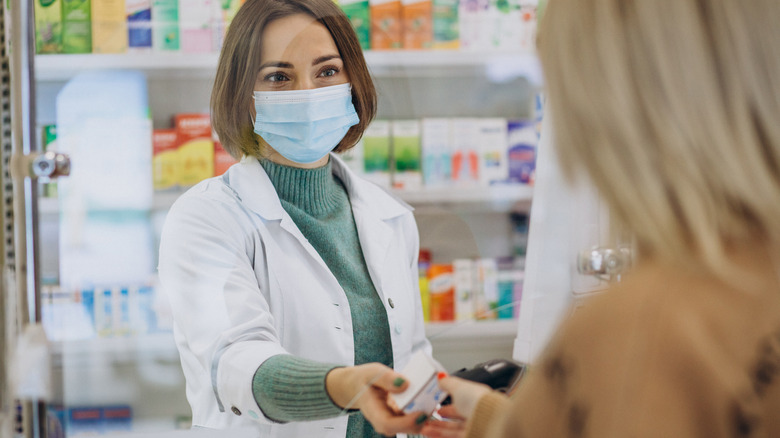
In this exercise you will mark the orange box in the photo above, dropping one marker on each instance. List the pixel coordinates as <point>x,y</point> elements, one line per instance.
<point>386,25</point>
<point>165,158</point>
<point>196,148</point>
<point>441,287</point>
<point>222,159</point>
<point>417,19</point>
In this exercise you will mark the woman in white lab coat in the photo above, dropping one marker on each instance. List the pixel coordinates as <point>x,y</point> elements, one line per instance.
<point>293,282</point>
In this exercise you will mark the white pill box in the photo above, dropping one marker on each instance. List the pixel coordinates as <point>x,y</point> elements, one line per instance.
<point>423,393</point>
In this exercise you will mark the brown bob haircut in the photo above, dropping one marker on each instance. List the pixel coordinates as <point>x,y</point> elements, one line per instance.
<point>239,63</point>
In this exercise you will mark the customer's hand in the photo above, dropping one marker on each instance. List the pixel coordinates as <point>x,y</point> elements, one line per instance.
<point>367,387</point>
<point>464,394</point>
<point>452,425</point>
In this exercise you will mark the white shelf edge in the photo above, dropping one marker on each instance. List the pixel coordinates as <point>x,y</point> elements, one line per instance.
<point>459,331</point>
<point>163,342</point>
<point>52,67</point>
<point>492,194</point>
<point>504,194</point>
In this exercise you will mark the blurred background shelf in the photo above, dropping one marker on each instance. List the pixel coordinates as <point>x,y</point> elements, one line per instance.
<point>497,197</point>
<point>404,62</point>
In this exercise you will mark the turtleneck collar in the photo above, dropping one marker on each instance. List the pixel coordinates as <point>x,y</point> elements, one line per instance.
<point>314,191</point>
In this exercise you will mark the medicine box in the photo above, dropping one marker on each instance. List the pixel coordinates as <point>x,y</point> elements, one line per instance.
<point>48,26</point>
<point>196,148</point>
<point>386,25</point>
<point>359,14</point>
<point>165,159</point>
<point>423,393</point>
<point>76,26</point>
<point>109,26</point>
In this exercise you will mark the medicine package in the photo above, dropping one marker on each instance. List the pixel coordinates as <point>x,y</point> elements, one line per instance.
<point>423,393</point>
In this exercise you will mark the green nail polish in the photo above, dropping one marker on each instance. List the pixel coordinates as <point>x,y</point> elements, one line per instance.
<point>398,381</point>
<point>421,419</point>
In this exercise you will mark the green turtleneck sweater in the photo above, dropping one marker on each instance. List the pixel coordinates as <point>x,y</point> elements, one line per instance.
<point>290,388</point>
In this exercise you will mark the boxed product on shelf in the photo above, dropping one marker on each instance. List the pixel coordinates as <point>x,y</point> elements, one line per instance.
<point>436,145</point>
<point>165,159</point>
<point>139,24</point>
<point>472,24</point>
<point>522,137</point>
<point>353,158</point>
<point>423,264</point>
<point>445,24</point>
<point>195,26</point>
<point>509,284</point>
<point>407,172</point>
<point>109,26</point>
<point>76,26</point>
<point>225,10</point>
<point>441,288</point>
<point>465,151</point>
<point>493,158</point>
<point>48,26</point>
<point>463,277</point>
<point>376,152</point>
<point>386,24</point>
<point>222,159</point>
<point>196,147</point>
<point>98,420</point>
<point>165,25</point>
<point>359,14</point>
<point>486,293</point>
<point>417,18</point>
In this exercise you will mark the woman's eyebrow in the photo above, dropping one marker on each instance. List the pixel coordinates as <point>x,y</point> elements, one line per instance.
<point>278,64</point>
<point>324,58</point>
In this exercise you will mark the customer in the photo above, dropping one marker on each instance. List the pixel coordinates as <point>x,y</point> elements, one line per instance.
<point>293,282</point>
<point>671,108</point>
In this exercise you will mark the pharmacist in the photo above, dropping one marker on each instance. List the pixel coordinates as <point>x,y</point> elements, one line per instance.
<point>293,283</point>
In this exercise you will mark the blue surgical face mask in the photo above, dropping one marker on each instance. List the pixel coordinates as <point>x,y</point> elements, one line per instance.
<point>304,125</point>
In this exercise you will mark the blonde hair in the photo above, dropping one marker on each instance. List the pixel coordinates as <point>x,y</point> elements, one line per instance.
<point>672,109</point>
<point>239,63</point>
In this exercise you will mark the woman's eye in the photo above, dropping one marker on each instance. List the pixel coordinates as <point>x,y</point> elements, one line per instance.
<point>275,77</point>
<point>330,71</point>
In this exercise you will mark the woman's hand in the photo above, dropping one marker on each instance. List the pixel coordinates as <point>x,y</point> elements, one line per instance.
<point>453,425</point>
<point>464,394</point>
<point>367,387</point>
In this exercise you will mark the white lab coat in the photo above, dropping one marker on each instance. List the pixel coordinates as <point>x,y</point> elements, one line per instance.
<point>245,285</point>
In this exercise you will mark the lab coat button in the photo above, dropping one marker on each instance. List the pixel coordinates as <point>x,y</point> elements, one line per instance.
<point>235,410</point>
<point>398,329</point>
<point>391,303</point>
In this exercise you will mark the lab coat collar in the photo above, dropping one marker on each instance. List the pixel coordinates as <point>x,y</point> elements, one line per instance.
<point>255,189</point>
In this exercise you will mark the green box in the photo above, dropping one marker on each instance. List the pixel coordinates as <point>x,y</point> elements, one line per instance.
<point>376,147</point>
<point>446,30</point>
<point>165,25</point>
<point>48,26</point>
<point>406,145</point>
<point>76,26</point>
<point>359,14</point>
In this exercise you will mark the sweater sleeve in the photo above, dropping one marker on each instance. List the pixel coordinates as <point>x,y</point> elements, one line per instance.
<point>290,388</point>
<point>488,409</point>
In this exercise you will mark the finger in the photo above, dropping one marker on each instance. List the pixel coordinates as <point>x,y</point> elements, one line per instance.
<point>450,412</point>
<point>391,381</point>
<point>444,429</point>
<point>389,425</point>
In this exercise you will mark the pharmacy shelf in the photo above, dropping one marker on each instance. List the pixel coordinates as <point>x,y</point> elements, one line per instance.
<point>115,349</point>
<point>498,197</point>
<point>130,348</point>
<point>400,62</point>
<point>495,194</point>
<point>496,330</point>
